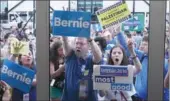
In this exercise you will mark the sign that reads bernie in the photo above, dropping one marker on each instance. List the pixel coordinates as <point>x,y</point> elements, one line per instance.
<point>69,23</point>
<point>17,76</point>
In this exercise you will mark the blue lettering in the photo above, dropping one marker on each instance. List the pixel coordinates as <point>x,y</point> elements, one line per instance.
<point>121,87</point>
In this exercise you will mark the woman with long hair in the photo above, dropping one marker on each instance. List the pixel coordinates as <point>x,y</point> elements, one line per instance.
<point>56,70</point>
<point>118,57</point>
<point>25,60</point>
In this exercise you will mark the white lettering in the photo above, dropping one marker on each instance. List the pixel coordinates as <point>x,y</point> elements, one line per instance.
<point>4,69</point>
<point>64,23</point>
<point>20,77</point>
<point>27,80</point>
<point>24,76</point>
<point>86,24</point>
<point>121,87</point>
<point>9,73</point>
<point>57,21</point>
<point>71,23</point>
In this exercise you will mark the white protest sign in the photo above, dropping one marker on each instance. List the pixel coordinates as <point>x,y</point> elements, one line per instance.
<point>109,77</point>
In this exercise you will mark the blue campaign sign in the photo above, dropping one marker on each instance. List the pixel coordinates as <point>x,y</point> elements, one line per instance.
<point>114,70</point>
<point>76,24</point>
<point>17,76</point>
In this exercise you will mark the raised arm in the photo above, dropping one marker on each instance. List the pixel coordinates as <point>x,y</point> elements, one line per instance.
<point>97,54</point>
<point>67,48</point>
<point>136,61</point>
<point>56,73</point>
<point>123,42</point>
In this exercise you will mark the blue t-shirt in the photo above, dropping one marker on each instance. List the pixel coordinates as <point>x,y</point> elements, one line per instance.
<point>73,75</point>
<point>141,79</point>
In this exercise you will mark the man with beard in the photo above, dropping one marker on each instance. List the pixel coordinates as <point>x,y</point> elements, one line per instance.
<point>79,69</point>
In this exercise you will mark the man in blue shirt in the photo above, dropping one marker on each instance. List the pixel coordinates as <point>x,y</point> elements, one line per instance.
<point>79,69</point>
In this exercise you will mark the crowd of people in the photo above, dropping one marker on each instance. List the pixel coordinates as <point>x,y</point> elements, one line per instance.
<point>108,47</point>
<point>72,61</point>
<point>8,35</point>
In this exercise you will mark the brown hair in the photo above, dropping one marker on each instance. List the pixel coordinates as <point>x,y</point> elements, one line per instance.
<point>125,59</point>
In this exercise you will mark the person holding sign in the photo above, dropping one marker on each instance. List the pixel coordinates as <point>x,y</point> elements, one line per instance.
<point>24,59</point>
<point>79,69</point>
<point>118,57</point>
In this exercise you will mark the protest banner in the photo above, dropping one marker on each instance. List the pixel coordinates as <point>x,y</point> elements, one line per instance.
<point>76,24</point>
<point>136,23</point>
<point>109,77</point>
<point>113,14</point>
<point>17,76</point>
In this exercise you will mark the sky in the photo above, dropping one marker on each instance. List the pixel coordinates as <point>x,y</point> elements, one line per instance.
<point>58,5</point>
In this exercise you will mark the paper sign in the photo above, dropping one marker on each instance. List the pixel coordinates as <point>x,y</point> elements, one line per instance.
<point>113,15</point>
<point>76,24</point>
<point>25,49</point>
<point>109,77</point>
<point>17,76</point>
<point>22,47</point>
<point>137,23</point>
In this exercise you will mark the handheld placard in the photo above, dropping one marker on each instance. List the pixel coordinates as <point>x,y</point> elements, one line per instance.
<point>19,47</point>
<point>110,77</point>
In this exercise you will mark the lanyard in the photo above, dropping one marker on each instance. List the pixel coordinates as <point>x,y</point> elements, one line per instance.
<point>82,64</point>
<point>84,72</point>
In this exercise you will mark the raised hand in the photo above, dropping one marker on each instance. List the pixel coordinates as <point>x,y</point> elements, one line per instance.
<point>118,29</point>
<point>16,46</point>
<point>115,30</point>
<point>131,46</point>
<point>5,85</point>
